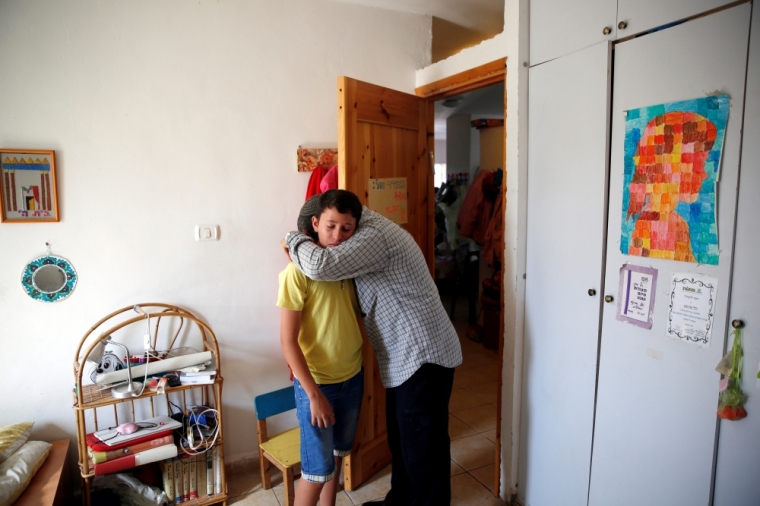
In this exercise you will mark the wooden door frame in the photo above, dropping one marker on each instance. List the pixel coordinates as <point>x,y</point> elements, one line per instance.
<point>473,79</point>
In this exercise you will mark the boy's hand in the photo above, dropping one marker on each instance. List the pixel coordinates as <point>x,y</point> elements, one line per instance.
<point>322,415</point>
<point>285,249</point>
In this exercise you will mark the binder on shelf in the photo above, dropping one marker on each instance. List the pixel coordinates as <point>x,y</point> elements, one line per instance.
<point>167,471</point>
<point>137,459</point>
<point>200,468</point>
<point>178,486</point>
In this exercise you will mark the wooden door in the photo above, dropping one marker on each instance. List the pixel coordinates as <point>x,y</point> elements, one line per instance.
<point>382,133</point>
<point>567,163</point>
<point>655,425</point>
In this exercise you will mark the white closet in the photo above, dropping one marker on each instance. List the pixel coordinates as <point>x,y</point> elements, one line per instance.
<point>656,403</point>
<point>614,414</point>
<point>566,196</point>
<point>560,27</point>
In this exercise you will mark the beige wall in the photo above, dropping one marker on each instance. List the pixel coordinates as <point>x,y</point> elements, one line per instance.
<point>165,114</point>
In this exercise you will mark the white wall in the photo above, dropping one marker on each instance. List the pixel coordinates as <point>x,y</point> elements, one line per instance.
<point>512,43</point>
<point>440,150</point>
<point>165,114</point>
<point>458,147</point>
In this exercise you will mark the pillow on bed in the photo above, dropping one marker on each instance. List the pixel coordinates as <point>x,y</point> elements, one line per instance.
<point>12,437</point>
<point>19,469</point>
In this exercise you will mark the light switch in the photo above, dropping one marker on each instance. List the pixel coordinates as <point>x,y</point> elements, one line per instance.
<point>207,232</point>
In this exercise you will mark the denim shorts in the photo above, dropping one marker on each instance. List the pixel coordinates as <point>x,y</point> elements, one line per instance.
<point>319,446</point>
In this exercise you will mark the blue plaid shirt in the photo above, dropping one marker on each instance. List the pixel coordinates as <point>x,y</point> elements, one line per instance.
<point>404,317</point>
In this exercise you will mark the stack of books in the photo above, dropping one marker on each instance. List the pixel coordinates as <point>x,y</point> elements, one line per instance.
<point>187,477</point>
<point>198,375</point>
<point>109,454</point>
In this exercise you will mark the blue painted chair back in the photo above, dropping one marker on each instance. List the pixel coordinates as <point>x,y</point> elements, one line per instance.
<point>274,403</point>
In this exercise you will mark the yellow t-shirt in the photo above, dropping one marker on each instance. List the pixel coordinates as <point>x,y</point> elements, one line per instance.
<point>329,338</point>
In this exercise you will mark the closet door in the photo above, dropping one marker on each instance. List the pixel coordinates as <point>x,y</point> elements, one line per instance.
<point>566,193</point>
<point>655,425</point>
<point>738,464</point>
<point>642,15</point>
<point>560,27</point>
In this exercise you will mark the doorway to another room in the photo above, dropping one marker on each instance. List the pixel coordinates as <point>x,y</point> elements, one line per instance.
<point>469,162</point>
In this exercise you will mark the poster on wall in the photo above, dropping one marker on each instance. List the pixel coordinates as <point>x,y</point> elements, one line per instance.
<point>692,307</point>
<point>636,294</point>
<point>28,186</point>
<point>671,167</point>
<point>388,197</point>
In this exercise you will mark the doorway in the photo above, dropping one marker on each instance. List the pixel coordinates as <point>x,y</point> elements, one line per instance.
<point>468,156</point>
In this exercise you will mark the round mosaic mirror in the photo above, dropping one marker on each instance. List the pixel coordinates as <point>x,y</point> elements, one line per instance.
<point>49,278</point>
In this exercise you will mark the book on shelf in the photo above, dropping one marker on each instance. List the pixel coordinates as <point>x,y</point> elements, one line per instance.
<point>185,479</point>
<point>136,459</point>
<point>178,488</point>
<point>191,472</point>
<point>97,445</point>
<point>209,370</point>
<point>197,380</point>
<point>147,427</point>
<point>100,457</point>
<point>200,469</point>
<point>167,471</point>
<point>209,471</point>
<point>217,470</point>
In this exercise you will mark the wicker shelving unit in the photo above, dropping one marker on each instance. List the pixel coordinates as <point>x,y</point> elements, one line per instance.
<point>92,403</point>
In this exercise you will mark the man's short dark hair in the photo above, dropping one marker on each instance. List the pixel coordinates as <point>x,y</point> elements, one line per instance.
<point>342,201</point>
<point>309,209</point>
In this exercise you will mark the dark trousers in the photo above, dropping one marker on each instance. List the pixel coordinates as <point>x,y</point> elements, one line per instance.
<point>417,414</point>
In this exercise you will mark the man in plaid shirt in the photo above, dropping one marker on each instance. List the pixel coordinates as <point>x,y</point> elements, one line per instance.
<point>416,346</point>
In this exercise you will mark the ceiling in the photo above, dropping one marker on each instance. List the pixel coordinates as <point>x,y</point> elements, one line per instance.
<point>483,103</point>
<point>485,16</point>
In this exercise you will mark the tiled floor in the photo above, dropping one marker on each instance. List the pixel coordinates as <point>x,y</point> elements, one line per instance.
<point>472,428</point>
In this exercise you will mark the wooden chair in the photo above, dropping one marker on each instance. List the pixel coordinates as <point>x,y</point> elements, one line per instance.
<point>284,449</point>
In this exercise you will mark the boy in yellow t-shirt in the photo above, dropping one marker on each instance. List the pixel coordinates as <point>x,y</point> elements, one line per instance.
<point>321,340</point>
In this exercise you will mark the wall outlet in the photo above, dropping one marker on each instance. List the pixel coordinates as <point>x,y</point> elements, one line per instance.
<point>207,232</point>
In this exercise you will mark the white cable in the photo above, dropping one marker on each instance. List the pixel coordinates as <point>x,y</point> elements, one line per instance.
<point>204,440</point>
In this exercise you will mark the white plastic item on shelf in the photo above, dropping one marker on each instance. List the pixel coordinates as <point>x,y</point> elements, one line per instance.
<point>168,364</point>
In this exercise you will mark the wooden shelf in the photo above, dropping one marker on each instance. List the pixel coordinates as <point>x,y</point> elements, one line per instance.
<point>90,400</point>
<point>96,397</point>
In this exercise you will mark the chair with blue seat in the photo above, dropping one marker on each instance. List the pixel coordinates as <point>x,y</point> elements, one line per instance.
<point>284,449</point>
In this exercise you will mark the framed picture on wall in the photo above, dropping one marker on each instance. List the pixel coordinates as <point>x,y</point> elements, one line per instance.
<point>28,186</point>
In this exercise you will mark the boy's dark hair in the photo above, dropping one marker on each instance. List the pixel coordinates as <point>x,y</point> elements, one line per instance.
<point>341,200</point>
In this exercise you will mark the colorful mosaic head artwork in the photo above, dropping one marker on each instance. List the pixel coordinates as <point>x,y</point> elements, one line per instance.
<point>672,161</point>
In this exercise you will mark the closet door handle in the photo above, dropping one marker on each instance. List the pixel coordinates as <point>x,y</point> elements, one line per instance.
<point>737,324</point>
<point>607,30</point>
<point>622,25</point>
<point>591,292</point>
<point>608,298</point>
